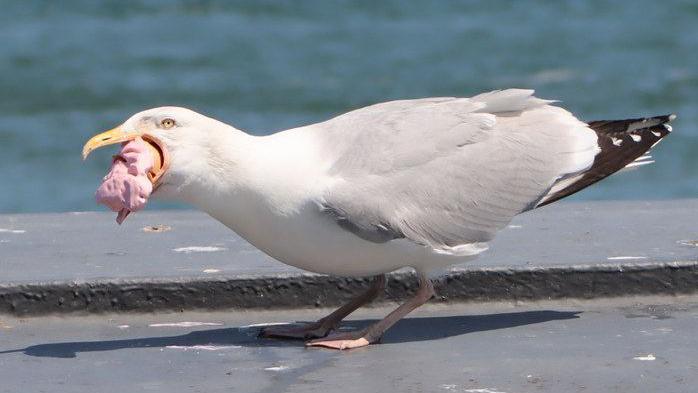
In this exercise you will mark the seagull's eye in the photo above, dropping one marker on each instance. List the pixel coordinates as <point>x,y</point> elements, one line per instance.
<point>167,123</point>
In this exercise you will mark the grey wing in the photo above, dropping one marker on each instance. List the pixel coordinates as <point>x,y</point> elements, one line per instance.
<point>449,172</point>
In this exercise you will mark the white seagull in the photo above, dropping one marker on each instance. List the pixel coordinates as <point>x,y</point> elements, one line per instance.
<point>422,183</point>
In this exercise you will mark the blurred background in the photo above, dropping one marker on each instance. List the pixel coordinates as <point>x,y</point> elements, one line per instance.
<point>69,69</point>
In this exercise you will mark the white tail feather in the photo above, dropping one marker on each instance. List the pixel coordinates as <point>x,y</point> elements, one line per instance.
<point>640,161</point>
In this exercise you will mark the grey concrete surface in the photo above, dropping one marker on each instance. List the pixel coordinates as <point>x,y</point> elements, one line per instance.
<point>84,262</point>
<point>643,344</point>
<point>90,245</point>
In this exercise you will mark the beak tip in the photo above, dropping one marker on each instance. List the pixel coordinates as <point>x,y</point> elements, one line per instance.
<point>115,135</point>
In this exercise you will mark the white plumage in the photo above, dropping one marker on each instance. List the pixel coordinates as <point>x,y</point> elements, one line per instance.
<point>421,183</point>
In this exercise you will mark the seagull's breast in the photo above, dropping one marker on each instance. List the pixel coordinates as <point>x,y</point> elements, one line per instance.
<point>310,240</point>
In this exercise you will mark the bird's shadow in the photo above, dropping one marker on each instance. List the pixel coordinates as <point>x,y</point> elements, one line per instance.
<point>406,330</point>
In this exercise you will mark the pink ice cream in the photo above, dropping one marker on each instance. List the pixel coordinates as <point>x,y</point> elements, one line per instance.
<point>126,187</point>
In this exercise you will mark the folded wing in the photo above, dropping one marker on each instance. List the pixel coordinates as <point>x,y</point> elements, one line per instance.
<point>448,172</point>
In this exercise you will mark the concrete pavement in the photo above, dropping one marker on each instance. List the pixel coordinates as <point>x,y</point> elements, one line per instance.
<point>84,262</point>
<point>86,246</point>
<point>643,344</point>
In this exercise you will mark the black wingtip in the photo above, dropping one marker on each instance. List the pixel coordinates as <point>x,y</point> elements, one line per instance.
<point>620,142</point>
<point>617,128</point>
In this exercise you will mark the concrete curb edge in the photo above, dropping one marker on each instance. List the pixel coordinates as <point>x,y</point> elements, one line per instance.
<point>311,290</point>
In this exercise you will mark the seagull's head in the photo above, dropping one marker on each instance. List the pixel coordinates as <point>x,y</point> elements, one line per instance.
<point>178,137</point>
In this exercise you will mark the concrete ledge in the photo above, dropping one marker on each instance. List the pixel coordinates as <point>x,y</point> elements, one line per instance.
<point>179,260</point>
<point>298,291</point>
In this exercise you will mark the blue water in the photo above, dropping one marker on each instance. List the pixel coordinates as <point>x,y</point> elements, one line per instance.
<point>69,69</point>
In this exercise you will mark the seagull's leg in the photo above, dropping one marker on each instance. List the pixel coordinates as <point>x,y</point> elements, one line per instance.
<point>374,332</point>
<point>323,326</point>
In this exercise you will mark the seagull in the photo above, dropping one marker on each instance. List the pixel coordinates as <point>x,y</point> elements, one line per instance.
<point>420,183</point>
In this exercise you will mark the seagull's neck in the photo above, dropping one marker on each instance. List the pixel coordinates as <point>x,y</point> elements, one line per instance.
<point>242,173</point>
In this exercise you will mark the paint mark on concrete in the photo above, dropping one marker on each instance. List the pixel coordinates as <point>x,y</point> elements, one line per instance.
<point>690,243</point>
<point>515,226</point>
<point>622,258</point>
<point>257,325</point>
<point>185,324</point>
<point>17,231</point>
<point>157,228</point>
<point>123,327</point>
<point>648,357</point>
<point>448,387</point>
<point>485,390</point>
<point>276,368</point>
<point>203,347</point>
<point>210,271</point>
<point>190,249</point>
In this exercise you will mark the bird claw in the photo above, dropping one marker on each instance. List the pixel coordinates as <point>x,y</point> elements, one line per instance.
<point>301,332</point>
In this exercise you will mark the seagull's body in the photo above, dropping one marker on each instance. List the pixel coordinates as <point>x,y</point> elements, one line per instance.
<point>417,161</point>
<point>276,205</point>
<point>415,183</point>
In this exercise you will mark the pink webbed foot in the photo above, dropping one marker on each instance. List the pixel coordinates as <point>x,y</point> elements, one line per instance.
<point>325,325</point>
<point>342,341</point>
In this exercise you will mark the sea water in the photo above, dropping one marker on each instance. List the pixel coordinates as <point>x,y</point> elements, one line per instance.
<point>70,69</point>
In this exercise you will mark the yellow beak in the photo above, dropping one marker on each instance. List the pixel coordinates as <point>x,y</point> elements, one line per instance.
<point>115,135</point>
